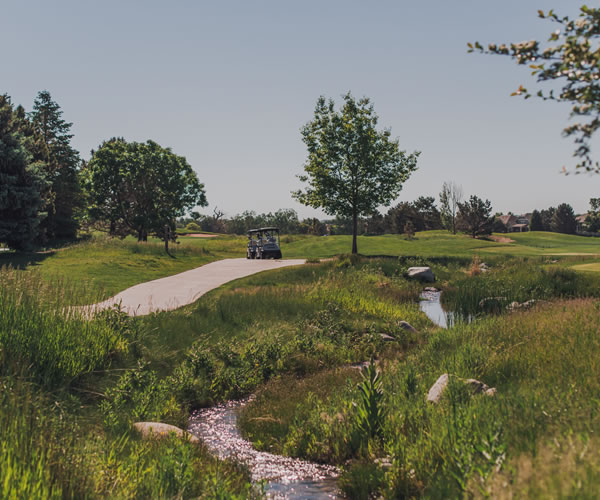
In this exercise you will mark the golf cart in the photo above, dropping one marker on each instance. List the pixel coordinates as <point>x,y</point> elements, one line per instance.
<point>263,243</point>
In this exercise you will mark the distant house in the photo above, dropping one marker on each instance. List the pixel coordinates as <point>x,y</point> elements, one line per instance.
<point>581,220</point>
<point>515,223</point>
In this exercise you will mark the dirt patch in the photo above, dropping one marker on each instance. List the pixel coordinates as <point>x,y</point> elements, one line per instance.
<point>501,239</point>
<point>202,235</point>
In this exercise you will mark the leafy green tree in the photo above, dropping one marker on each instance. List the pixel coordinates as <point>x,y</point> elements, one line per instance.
<point>536,223</point>
<point>352,168</point>
<point>593,219</point>
<point>571,59</point>
<point>450,198</point>
<point>22,182</point>
<point>563,220</point>
<point>65,197</point>
<point>475,217</point>
<point>286,219</point>
<point>141,188</point>
<point>547,214</point>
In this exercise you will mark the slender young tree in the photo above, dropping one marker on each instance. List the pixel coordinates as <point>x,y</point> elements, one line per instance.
<point>62,168</point>
<point>450,198</point>
<point>352,168</point>
<point>22,182</point>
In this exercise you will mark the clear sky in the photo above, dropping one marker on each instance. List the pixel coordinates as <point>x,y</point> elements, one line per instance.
<point>228,84</point>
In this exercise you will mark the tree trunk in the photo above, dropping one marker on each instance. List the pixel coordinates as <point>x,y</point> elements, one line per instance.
<point>167,238</point>
<point>354,232</point>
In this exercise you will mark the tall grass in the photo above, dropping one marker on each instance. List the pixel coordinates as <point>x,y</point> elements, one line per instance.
<point>54,343</point>
<point>52,441</point>
<point>542,363</point>
<point>516,280</point>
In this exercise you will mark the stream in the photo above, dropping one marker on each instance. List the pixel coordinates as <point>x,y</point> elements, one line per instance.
<point>431,305</point>
<point>285,477</point>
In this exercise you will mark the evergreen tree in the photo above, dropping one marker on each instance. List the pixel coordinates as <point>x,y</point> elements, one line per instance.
<point>63,162</point>
<point>536,223</point>
<point>564,220</point>
<point>21,182</point>
<point>475,217</point>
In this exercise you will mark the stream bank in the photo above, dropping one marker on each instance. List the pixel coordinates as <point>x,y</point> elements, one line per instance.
<point>284,477</point>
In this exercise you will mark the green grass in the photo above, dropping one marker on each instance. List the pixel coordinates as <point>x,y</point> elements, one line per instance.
<point>517,280</point>
<point>72,388</point>
<point>590,267</point>
<point>442,243</point>
<point>542,363</point>
<point>295,320</point>
<point>103,267</point>
<point>58,373</point>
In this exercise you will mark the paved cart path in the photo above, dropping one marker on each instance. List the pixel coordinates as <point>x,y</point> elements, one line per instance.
<point>169,293</point>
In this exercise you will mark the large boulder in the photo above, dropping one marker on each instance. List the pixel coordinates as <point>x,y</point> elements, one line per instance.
<point>422,273</point>
<point>158,429</point>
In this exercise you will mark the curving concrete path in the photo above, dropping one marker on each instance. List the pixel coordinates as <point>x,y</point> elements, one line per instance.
<point>169,293</point>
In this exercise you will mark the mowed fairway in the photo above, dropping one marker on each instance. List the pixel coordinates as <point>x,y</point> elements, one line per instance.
<point>443,243</point>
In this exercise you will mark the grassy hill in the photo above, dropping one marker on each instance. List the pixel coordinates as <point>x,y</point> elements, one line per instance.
<point>442,243</point>
<point>103,267</point>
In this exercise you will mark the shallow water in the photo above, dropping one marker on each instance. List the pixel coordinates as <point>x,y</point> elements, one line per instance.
<point>431,305</point>
<point>285,477</point>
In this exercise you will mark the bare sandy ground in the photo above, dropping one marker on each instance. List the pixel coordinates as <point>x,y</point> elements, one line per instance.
<point>202,235</point>
<point>500,239</point>
<point>175,291</point>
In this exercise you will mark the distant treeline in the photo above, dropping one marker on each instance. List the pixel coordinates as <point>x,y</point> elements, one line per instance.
<point>422,214</point>
<point>406,218</point>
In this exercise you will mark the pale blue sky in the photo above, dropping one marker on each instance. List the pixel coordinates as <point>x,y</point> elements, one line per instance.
<point>228,84</point>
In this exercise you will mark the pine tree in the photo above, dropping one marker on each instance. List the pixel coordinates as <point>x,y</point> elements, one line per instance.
<point>65,194</point>
<point>475,217</point>
<point>563,220</point>
<point>536,224</point>
<point>22,182</point>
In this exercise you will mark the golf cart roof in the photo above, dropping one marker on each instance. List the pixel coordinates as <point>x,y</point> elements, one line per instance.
<point>263,229</point>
